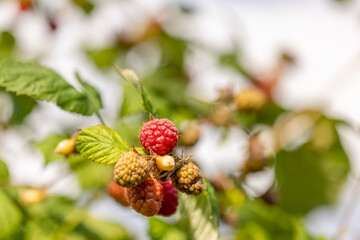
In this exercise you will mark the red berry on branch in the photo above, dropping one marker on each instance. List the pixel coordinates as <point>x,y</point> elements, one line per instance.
<point>170,200</point>
<point>159,136</point>
<point>119,193</point>
<point>146,198</point>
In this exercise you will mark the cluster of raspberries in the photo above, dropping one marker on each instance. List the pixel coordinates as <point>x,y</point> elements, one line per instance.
<point>150,183</point>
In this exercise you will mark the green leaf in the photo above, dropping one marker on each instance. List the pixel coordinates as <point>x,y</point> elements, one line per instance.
<point>93,97</point>
<point>31,79</point>
<point>200,214</point>
<point>48,145</point>
<point>173,50</point>
<point>10,216</point>
<point>160,230</point>
<point>132,101</point>
<point>23,105</point>
<point>101,144</point>
<point>4,171</point>
<point>85,5</point>
<point>131,77</point>
<point>7,44</point>
<point>314,173</point>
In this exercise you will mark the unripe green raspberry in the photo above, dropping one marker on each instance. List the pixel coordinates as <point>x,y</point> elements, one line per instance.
<point>131,169</point>
<point>188,179</point>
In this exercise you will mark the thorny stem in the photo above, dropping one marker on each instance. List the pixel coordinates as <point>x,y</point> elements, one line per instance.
<point>349,209</point>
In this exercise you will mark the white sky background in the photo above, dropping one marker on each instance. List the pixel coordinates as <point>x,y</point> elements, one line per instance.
<point>323,35</point>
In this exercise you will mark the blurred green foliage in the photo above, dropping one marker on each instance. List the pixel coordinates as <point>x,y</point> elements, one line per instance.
<point>10,216</point>
<point>48,145</point>
<point>85,5</point>
<point>59,218</point>
<point>259,221</point>
<point>4,172</point>
<point>7,45</point>
<point>312,174</point>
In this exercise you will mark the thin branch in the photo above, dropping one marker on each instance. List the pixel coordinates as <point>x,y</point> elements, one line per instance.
<point>101,119</point>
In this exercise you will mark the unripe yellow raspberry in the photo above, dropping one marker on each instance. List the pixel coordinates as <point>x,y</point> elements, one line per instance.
<point>251,99</point>
<point>165,163</point>
<point>66,146</point>
<point>131,169</point>
<point>188,179</point>
<point>32,196</point>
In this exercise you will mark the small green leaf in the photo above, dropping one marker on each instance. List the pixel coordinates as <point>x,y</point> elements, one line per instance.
<point>92,94</point>
<point>4,171</point>
<point>101,144</point>
<point>7,44</point>
<point>132,101</point>
<point>10,216</point>
<point>131,77</point>
<point>23,105</point>
<point>85,5</point>
<point>33,80</point>
<point>201,214</point>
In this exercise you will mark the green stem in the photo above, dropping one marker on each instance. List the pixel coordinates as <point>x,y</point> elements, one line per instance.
<point>101,119</point>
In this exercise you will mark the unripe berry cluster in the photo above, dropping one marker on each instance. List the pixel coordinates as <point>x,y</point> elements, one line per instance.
<point>143,181</point>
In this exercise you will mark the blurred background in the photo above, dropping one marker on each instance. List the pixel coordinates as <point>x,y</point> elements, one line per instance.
<point>264,93</point>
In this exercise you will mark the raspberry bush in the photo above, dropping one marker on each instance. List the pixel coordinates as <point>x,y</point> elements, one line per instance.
<point>159,147</point>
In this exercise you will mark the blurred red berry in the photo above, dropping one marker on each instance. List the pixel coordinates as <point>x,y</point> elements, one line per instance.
<point>119,193</point>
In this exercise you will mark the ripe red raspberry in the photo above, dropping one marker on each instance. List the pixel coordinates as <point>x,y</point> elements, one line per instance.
<point>119,193</point>
<point>159,135</point>
<point>146,198</point>
<point>170,200</point>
